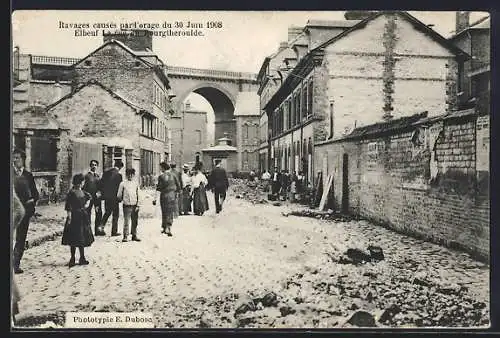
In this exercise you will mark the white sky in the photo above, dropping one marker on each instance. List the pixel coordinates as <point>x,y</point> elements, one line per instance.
<point>243,42</point>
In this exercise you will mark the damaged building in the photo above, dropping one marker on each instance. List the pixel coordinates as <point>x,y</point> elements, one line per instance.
<point>370,110</point>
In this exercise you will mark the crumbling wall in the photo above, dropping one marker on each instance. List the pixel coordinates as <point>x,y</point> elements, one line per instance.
<point>421,180</point>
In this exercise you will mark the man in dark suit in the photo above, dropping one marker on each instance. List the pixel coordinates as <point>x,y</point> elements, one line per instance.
<point>275,181</point>
<point>25,188</point>
<point>108,187</point>
<point>219,183</point>
<point>91,186</point>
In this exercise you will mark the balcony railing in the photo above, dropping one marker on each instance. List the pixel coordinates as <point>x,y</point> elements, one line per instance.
<point>53,60</point>
<point>186,71</point>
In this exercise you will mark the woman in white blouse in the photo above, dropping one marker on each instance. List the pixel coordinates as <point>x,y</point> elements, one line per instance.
<point>198,184</point>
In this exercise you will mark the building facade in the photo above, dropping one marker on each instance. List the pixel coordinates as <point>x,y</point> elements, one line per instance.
<point>189,135</point>
<point>389,65</point>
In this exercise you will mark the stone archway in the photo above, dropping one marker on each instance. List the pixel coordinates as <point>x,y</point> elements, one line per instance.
<point>223,105</point>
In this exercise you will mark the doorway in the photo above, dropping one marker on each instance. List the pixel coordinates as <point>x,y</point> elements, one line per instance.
<point>345,183</point>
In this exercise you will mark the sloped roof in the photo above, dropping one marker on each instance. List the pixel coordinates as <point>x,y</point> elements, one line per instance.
<point>386,126</point>
<point>115,95</point>
<point>116,42</point>
<point>247,103</point>
<point>35,118</point>
<point>414,21</point>
<point>332,23</point>
<point>482,24</point>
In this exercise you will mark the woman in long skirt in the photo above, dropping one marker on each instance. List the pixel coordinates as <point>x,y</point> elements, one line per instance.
<point>198,185</point>
<point>168,186</point>
<point>77,231</point>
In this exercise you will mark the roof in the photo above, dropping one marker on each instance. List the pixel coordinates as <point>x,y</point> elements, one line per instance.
<point>35,118</point>
<point>399,124</point>
<point>220,147</point>
<point>114,94</point>
<point>483,23</point>
<point>158,69</point>
<point>116,42</point>
<point>386,126</point>
<point>332,23</point>
<point>417,23</point>
<point>247,103</point>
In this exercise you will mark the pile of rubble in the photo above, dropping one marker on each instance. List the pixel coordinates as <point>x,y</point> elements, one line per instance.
<point>324,215</point>
<point>249,190</point>
<point>365,291</point>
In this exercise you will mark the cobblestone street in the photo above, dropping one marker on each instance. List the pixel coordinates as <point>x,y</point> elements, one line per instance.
<point>214,264</point>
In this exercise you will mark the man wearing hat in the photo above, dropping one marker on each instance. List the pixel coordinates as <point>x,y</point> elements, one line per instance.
<point>186,190</point>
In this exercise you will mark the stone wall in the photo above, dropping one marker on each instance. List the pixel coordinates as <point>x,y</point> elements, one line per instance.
<point>120,71</point>
<point>421,180</point>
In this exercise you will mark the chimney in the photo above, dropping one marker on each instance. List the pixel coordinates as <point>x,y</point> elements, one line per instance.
<point>283,46</point>
<point>137,40</point>
<point>293,32</point>
<point>358,15</point>
<point>462,20</point>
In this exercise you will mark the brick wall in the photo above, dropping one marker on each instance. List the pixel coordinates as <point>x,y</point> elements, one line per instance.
<point>429,190</point>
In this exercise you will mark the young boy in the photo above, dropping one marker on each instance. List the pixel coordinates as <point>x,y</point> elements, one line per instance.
<point>128,193</point>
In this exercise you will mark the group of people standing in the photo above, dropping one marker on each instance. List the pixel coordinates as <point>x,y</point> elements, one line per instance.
<point>183,193</point>
<point>179,193</point>
<point>288,186</point>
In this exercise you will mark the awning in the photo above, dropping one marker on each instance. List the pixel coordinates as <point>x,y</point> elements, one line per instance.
<point>120,142</point>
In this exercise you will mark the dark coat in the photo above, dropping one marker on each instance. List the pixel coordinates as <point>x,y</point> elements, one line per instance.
<point>91,184</point>
<point>109,183</point>
<point>78,231</point>
<point>218,179</point>
<point>25,187</point>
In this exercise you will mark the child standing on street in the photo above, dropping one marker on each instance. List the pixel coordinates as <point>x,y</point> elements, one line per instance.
<point>77,231</point>
<point>128,193</point>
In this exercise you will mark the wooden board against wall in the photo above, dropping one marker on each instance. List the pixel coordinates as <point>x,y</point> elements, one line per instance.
<point>326,191</point>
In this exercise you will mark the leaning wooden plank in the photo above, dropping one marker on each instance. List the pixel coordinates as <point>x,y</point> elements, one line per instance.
<point>325,193</point>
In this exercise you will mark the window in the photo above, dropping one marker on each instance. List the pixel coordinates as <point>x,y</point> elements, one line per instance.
<point>245,132</point>
<point>297,108</point>
<point>198,137</point>
<point>43,154</point>
<point>303,110</point>
<point>20,142</point>
<point>289,113</point>
<point>148,125</point>
<point>149,162</point>
<point>310,93</point>
<point>331,119</point>
<point>285,116</point>
<point>245,160</point>
<point>88,62</point>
